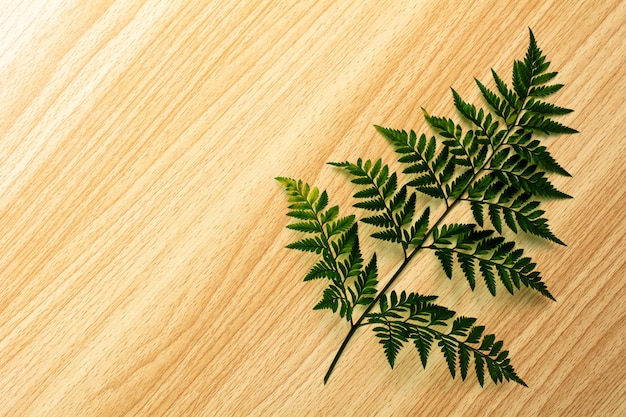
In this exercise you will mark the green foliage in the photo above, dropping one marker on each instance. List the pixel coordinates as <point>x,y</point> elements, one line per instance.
<point>493,255</point>
<point>336,240</point>
<point>491,163</point>
<point>395,210</point>
<point>416,318</point>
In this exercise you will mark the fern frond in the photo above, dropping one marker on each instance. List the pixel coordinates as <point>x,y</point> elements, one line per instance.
<point>509,96</point>
<point>345,242</point>
<point>487,124</point>
<point>308,245</point>
<point>493,161</point>
<point>332,299</point>
<point>445,257</point>
<point>546,109</point>
<point>535,122</point>
<point>445,234</point>
<point>523,214</point>
<point>339,226</point>
<point>322,269</point>
<point>392,336</point>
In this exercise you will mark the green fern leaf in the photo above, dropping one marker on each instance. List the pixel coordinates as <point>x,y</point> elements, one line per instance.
<point>367,193</point>
<point>509,96</point>
<point>380,220</point>
<point>546,109</point>
<point>398,200</point>
<point>459,184</point>
<point>468,267</point>
<point>477,211</point>
<point>449,350</point>
<point>540,156</point>
<point>521,79</point>
<point>329,215</point>
<point>494,216</point>
<point>461,325</point>
<point>306,227</point>
<point>475,334</point>
<point>302,214</point>
<point>423,342</point>
<point>392,338</point>
<point>445,257</point>
<point>334,300</point>
<point>495,256</point>
<point>536,122</point>
<point>419,228</point>
<point>536,226</point>
<point>340,225</point>
<point>518,172</point>
<point>380,196</point>
<point>376,204</point>
<point>365,285</point>
<point>322,270</point>
<point>389,235</point>
<point>544,90</point>
<point>464,360</point>
<point>487,272</point>
<point>479,366</point>
<point>389,187</point>
<point>308,245</point>
<point>502,107</point>
<point>419,154</point>
<point>497,164</point>
<point>405,216</point>
<point>468,110</point>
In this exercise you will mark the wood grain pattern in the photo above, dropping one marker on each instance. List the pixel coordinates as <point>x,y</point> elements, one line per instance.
<point>143,263</point>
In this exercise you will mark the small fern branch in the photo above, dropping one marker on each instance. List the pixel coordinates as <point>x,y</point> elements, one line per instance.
<point>493,255</point>
<point>403,317</point>
<point>336,239</point>
<point>433,169</point>
<point>498,166</point>
<point>381,195</point>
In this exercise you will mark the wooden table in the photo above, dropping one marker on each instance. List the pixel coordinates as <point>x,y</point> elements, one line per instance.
<point>143,264</point>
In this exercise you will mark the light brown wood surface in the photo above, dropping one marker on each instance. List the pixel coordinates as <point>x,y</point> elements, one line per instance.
<point>142,261</point>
